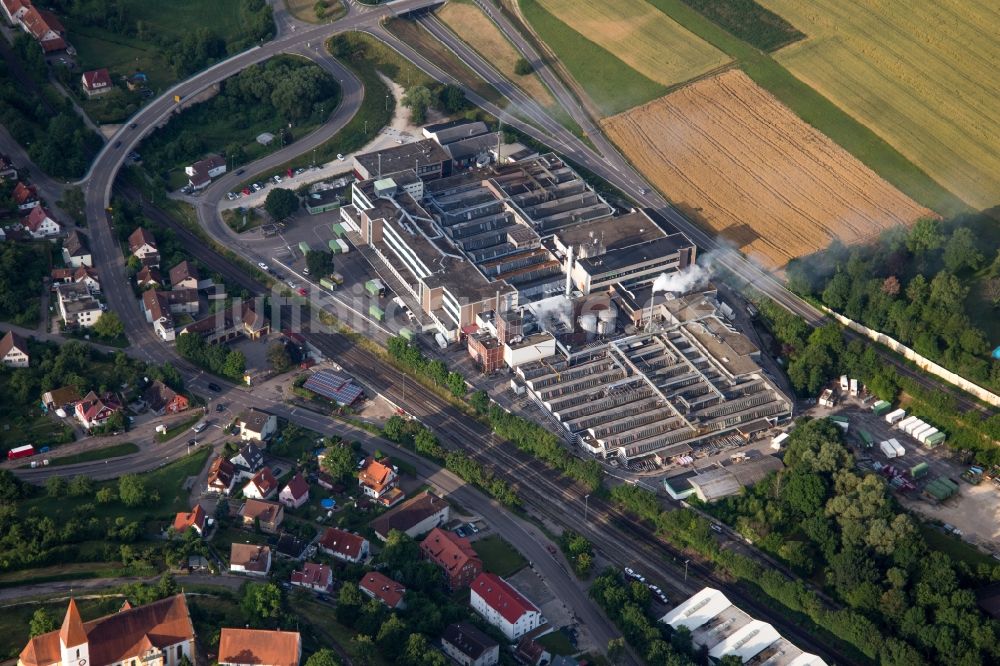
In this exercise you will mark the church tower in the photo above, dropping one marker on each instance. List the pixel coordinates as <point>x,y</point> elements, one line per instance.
<point>73,638</point>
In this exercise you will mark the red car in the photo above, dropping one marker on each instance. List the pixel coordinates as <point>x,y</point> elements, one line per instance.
<point>246,191</point>
<point>302,291</point>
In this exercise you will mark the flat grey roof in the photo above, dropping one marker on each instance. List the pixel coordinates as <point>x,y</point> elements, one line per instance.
<point>636,254</point>
<point>614,232</point>
<point>405,156</point>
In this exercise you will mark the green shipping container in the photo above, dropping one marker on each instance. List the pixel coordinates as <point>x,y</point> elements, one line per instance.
<point>881,407</point>
<point>372,287</point>
<point>866,438</point>
<point>376,312</point>
<point>334,246</point>
<point>406,334</point>
<point>338,230</point>
<point>935,439</point>
<point>919,470</point>
<point>304,246</point>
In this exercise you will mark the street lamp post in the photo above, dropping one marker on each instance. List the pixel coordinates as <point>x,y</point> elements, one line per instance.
<point>586,507</point>
<point>686,562</point>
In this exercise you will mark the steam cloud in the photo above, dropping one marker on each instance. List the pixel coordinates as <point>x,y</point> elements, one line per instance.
<point>682,282</point>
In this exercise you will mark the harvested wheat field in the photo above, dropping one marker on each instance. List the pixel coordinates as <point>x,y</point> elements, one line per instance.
<point>475,29</point>
<point>729,153</point>
<point>643,37</point>
<point>923,74</point>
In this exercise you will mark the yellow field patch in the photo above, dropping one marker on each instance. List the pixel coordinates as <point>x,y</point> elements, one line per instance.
<point>469,23</point>
<point>732,156</point>
<point>923,74</point>
<point>641,36</point>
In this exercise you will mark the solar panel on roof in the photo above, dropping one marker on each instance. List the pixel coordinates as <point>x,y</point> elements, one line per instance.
<point>339,388</point>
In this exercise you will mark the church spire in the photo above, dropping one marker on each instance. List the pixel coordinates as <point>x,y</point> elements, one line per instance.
<point>72,632</point>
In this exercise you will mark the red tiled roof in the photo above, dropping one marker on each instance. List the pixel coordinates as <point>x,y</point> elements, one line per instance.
<point>259,646</point>
<point>24,193</point>
<point>298,487</point>
<point>93,405</point>
<point>10,341</point>
<point>36,217</point>
<point>375,475</point>
<point>312,574</point>
<point>149,275</point>
<point>196,518</point>
<point>183,271</point>
<point>264,481</point>
<point>382,588</point>
<point>139,238</point>
<point>266,511</point>
<point>340,541</point>
<point>250,556</point>
<point>501,597</point>
<point>117,637</point>
<point>449,551</point>
<point>221,471</point>
<point>14,5</point>
<point>98,78</point>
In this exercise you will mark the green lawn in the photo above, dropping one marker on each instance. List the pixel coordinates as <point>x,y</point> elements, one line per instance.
<point>59,572</point>
<point>122,55</point>
<point>115,451</point>
<point>167,481</point>
<point>818,111</point>
<point>557,642</point>
<point>185,16</point>
<point>612,85</point>
<point>955,548</point>
<point>179,428</point>
<point>498,556</point>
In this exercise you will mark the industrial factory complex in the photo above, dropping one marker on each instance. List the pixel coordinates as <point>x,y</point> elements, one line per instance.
<point>601,315</point>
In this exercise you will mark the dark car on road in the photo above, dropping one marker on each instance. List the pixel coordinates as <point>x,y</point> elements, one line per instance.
<point>214,387</point>
<point>220,407</point>
<point>240,172</point>
<point>118,144</point>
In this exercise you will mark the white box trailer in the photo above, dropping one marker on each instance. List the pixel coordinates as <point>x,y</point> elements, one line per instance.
<point>905,423</point>
<point>899,447</point>
<point>844,384</point>
<point>778,440</point>
<point>895,416</point>
<point>344,247</point>
<point>913,427</point>
<point>854,387</point>
<point>887,448</point>
<point>921,430</point>
<point>927,434</point>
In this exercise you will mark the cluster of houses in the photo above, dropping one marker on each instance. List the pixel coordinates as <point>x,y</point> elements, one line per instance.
<point>35,220</point>
<point>95,410</point>
<point>41,24</point>
<point>157,634</point>
<point>163,300</point>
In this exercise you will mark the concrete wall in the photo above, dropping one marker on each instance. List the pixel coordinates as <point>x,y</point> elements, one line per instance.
<point>922,362</point>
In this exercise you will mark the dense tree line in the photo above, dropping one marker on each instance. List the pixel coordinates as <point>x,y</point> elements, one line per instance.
<point>918,286</point>
<point>22,268</point>
<point>217,359</point>
<point>578,551</point>
<point>409,357</point>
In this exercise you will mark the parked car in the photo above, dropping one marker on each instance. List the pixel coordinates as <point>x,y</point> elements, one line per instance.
<point>472,526</point>
<point>552,550</point>
<point>460,531</point>
<point>239,172</point>
<point>214,387</point>
<point>262,266</point>
<point>118,144</point>
<point>132,125</point>
<point>302,291</point>
<point>220,407</point>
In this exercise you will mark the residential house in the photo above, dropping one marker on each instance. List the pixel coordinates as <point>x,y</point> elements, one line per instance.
<point>290,546</point>
<point>268,514</point>
<point>76,250</point>
<point>88,276</point>
<point>164,400</point>
<point>148,276</point>
<point>97,82</point>
<point>250,559</point>
<point>7,169</point>
<point>14,351</point>
<point>469,646</point>
<point>316,577</point>
<point>95,410</point>
<point>25,196</point>
<point>142,245</point>
<point>379,481</point>
<point>417,515</point>
<point>45,28</point>
<point>229,324</point>
<point>532,653</point>
<point>14,10</point>
<point>201,173</point>
<point>194,519</point>
<point>262,486</point>
<point>248,461</point>
<point>77,306</point>
<point>220,476</point>
<point>256,425</point>
<point>156,634</point>
<point>454,554</point>
<point>64,399</point>
<point>344,545</point>
<point>296,493</point>
<point>503,606</point>
<point>182,301</point>
<point>40,224</point>
<point>61,276</point>
<point>379,586</point>
<point>259,647</point>
<point>157,311</point>
<point>184,276</point>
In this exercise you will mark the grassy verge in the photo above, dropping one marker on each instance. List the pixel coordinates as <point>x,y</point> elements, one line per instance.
<point>116,451</point>
<point>235,220</point>
<point>819,112</point>
<point>178,429</point>
<point>498,556</point>
<point>440,55</point>
<point>306,10</point>
<point>557,642</point>
<point>60,572</point>
<point>610,83</point>
<point>956,549</point>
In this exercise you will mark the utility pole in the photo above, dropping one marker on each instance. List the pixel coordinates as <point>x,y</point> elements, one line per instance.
<point>686,562</point>
<point>586,507</point>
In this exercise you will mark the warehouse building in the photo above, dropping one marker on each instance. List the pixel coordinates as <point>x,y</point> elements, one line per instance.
<point>725,629</point>
<point>427,158</point>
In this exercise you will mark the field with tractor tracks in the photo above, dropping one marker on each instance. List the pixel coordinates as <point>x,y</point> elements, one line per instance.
<point>923,75</point>
<point>731,155</point>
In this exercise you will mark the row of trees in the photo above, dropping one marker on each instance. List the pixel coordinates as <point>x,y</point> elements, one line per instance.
<point>920,286</point>
<point>447,98</point>
<point>217,359</point>
<point>410,358</point>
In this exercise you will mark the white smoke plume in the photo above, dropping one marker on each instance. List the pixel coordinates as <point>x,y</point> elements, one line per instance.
<point>682,282</point>
<point>557,308</point>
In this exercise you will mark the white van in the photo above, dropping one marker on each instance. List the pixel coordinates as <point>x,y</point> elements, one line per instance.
<point>200,427</point>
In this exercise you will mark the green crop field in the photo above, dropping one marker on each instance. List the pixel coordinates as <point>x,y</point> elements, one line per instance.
<point>922,75</point>
<point>611,84</point>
